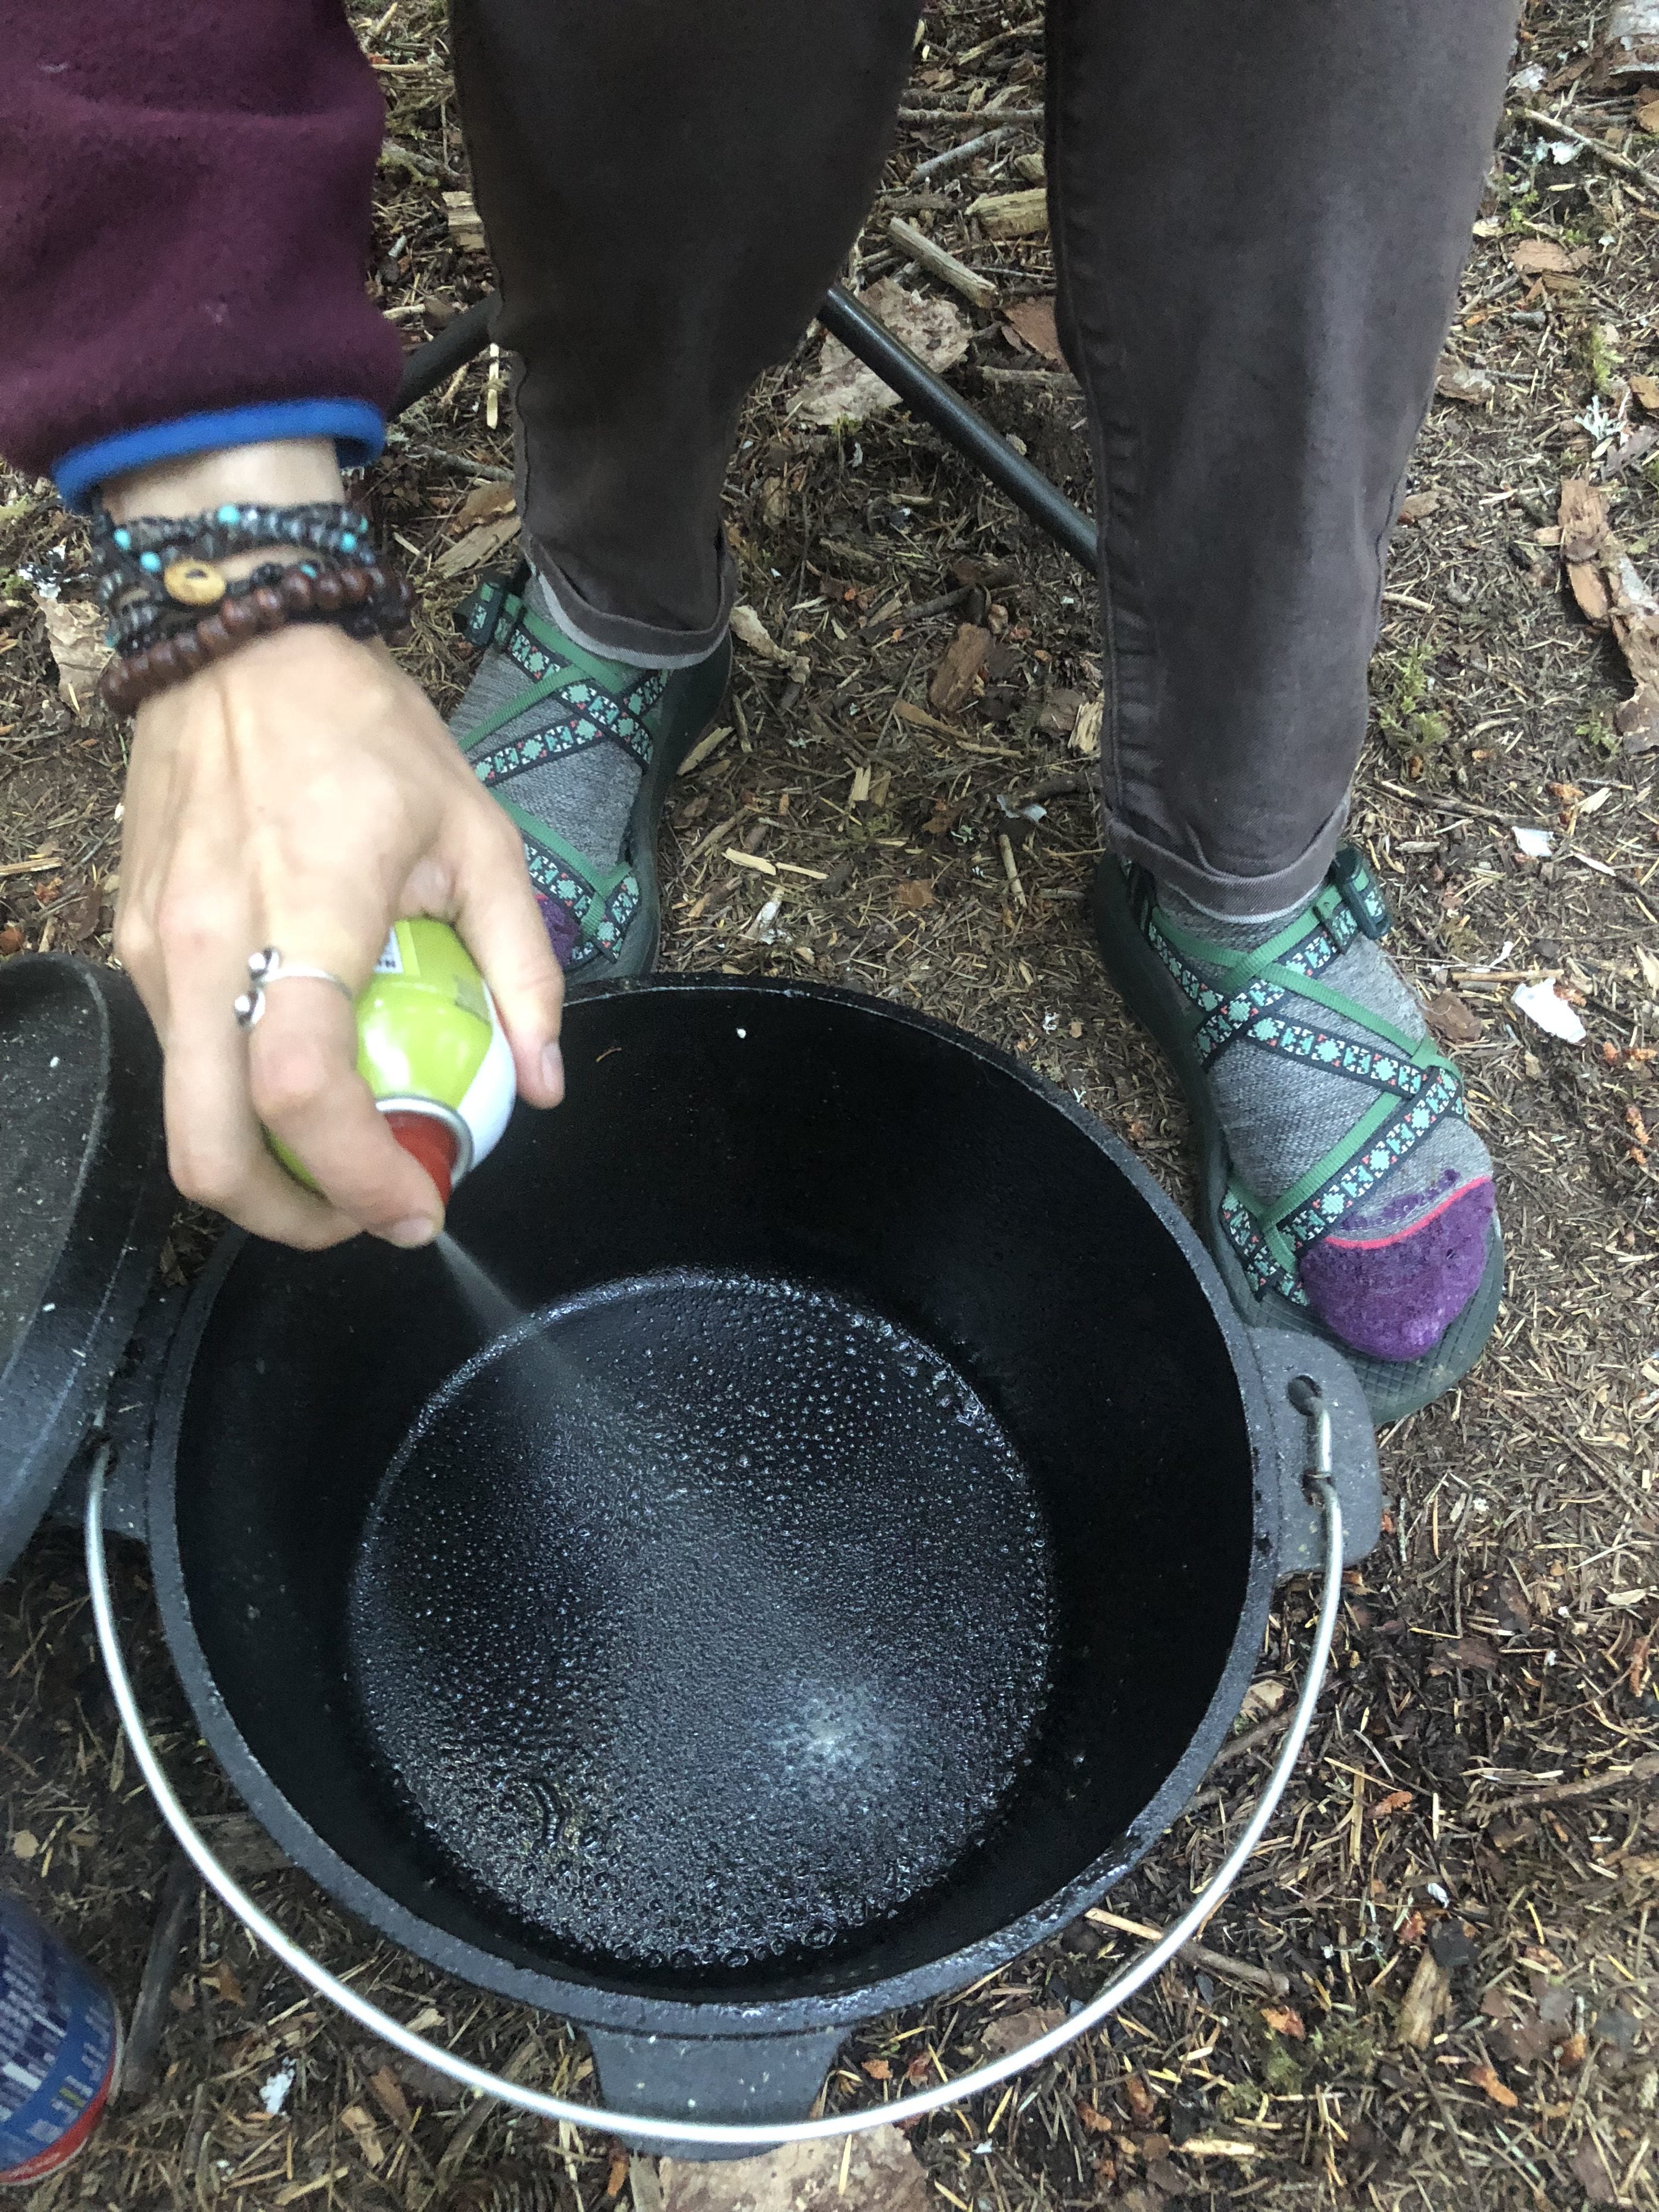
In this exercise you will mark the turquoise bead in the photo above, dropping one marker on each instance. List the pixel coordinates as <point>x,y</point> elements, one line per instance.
<point>228,515</point>
<point>150,560</point>
<point>124,540</point>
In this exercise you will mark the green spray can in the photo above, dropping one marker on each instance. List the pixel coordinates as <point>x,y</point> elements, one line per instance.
<point>431,1048</point>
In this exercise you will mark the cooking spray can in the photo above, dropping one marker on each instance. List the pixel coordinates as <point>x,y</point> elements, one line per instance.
<point>60,2043</point>
<point>431,1049</point>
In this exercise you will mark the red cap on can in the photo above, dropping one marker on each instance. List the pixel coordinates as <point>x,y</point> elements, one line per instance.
<point>430,1141</point>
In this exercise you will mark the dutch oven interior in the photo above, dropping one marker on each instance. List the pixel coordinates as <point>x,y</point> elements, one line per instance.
<point>953,1574</point>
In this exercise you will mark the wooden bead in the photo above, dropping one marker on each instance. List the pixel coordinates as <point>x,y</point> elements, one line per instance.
<point>188,653</point>
<point>296,590</point>
<point>239,618</point>
<point>354,582</point>
<point>328,593</point>
<point>193,583</point>
<point>267,604</point>
<point>214,639</point>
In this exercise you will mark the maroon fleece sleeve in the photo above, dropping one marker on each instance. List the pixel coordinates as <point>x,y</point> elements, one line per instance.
<point>184,200</point>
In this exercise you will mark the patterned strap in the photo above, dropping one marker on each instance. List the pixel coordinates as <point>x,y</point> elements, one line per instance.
<point>601,703</point>
<point>1419,1086</point>
<point>602,710</point>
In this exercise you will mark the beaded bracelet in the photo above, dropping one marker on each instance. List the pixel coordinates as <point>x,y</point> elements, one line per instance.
<point>158,571</point>
<point>361,596</point>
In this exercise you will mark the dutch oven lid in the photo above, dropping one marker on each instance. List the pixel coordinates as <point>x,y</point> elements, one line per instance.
<point>84,1203</point>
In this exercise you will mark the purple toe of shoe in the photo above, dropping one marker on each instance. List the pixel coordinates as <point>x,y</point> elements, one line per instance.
<point>1395,1297</point>
<point>562,926</point>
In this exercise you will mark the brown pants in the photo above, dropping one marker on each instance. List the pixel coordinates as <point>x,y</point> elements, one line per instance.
<point>1260,209</point>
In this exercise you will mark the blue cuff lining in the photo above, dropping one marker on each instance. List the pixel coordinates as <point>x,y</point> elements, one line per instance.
<point>357,428</point>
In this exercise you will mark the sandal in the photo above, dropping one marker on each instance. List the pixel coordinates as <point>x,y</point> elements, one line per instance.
<point>1256,1241</point>
<point>605,920</point>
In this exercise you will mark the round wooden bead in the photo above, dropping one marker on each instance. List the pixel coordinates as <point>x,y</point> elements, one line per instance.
<point>214,639</point>
<point>239,618</point>
<point>187,653</point>
<point>296,590</point>
<point>328,593</point>
<point>267,604</point>
<point>354,582</point>
<point>193,583</point>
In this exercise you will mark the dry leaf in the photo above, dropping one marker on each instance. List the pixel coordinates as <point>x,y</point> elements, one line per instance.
<point>1420,505</point>
<point>1486,2079</point>
<point>1451,1020</point>
<point>1645,391</point>
<point>484,503</point>
<point>748,630</point>
<point>477,546</point>
<point>845,391</point>
<point>223,1981</point>
<point>1532,257</point>
<point>1396,1801</point>
<point>390,2097</point>
<point>1472,385</point>
<point>1285,2020</point>
<point>1012,2031</point>
<point>964,657</point>
<point>914,896</point>
<point>75,631</point>
<point>1096,2122</point>
<point>1034,321</point>
<point>11,940</point>
<point>878,2069</point>
<point>882,2174</point>
<point>1139,2099</point>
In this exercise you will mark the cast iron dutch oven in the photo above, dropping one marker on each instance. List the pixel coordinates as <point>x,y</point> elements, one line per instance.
<point>842,1575</point>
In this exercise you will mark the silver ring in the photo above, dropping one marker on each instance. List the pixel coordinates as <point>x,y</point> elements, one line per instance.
<point>269,966</point>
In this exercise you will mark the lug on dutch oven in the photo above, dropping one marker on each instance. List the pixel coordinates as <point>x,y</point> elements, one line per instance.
<point>846,1578</point>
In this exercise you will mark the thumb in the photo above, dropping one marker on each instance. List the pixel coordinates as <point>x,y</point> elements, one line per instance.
<point>498,919</point>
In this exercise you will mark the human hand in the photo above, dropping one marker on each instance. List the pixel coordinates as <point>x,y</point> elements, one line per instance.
<point>303,793</point>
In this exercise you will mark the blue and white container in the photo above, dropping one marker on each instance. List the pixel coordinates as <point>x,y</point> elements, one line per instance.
<point>60,2043</point>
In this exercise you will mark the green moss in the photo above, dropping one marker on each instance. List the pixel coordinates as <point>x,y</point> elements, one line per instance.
<point>1601,357</point>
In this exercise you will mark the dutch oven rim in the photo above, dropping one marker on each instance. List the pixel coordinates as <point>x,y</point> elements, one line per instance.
<point>592,2003</point>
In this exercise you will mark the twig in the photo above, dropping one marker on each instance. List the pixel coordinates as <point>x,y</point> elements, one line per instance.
<point>1595,1785</point>
<point>937,163</point>
<point>977,290</point>
<point>918,610</point>
<point>1450,2124</point>
<point>1622,162</point>
<point>1011,868</point>
<point>1268,1979</point>
<point>150,2010</point>
<point>487,469</point>
<point>1060,381</point>
<point>968,114</point>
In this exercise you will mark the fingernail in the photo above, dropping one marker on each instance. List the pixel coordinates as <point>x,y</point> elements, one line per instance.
<point>418,1230</point>
<point>553,1069</point>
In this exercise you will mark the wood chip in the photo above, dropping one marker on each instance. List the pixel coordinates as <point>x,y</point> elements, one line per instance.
<point>477,546</point>
<point>75,631</point>
<point>465,223</point>
<point>1033,322</point>
<point>1471,385</point>
<point>701,751</point>
<point>953,681</point>
<point>757,862</point>
<point>1425,2000</point>
<point>1012,215</point>
<point>1611,593</point>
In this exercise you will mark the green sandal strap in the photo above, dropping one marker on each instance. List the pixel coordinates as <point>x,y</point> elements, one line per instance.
<point>610,700</point>
<point>1418,1086</point>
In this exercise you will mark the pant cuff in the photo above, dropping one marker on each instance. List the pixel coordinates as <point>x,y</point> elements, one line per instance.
<point>1233,898</point>
<point>619,637</point>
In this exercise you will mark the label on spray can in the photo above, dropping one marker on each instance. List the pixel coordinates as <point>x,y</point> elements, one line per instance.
<point>59,2041</point>
<point>391,962</point>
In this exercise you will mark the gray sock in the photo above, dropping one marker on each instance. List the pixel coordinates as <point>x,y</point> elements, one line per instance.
<point>586,796</point>
<point>1281,1115</point>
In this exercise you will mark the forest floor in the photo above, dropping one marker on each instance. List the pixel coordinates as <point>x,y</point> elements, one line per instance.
<point>1471,1821</point>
